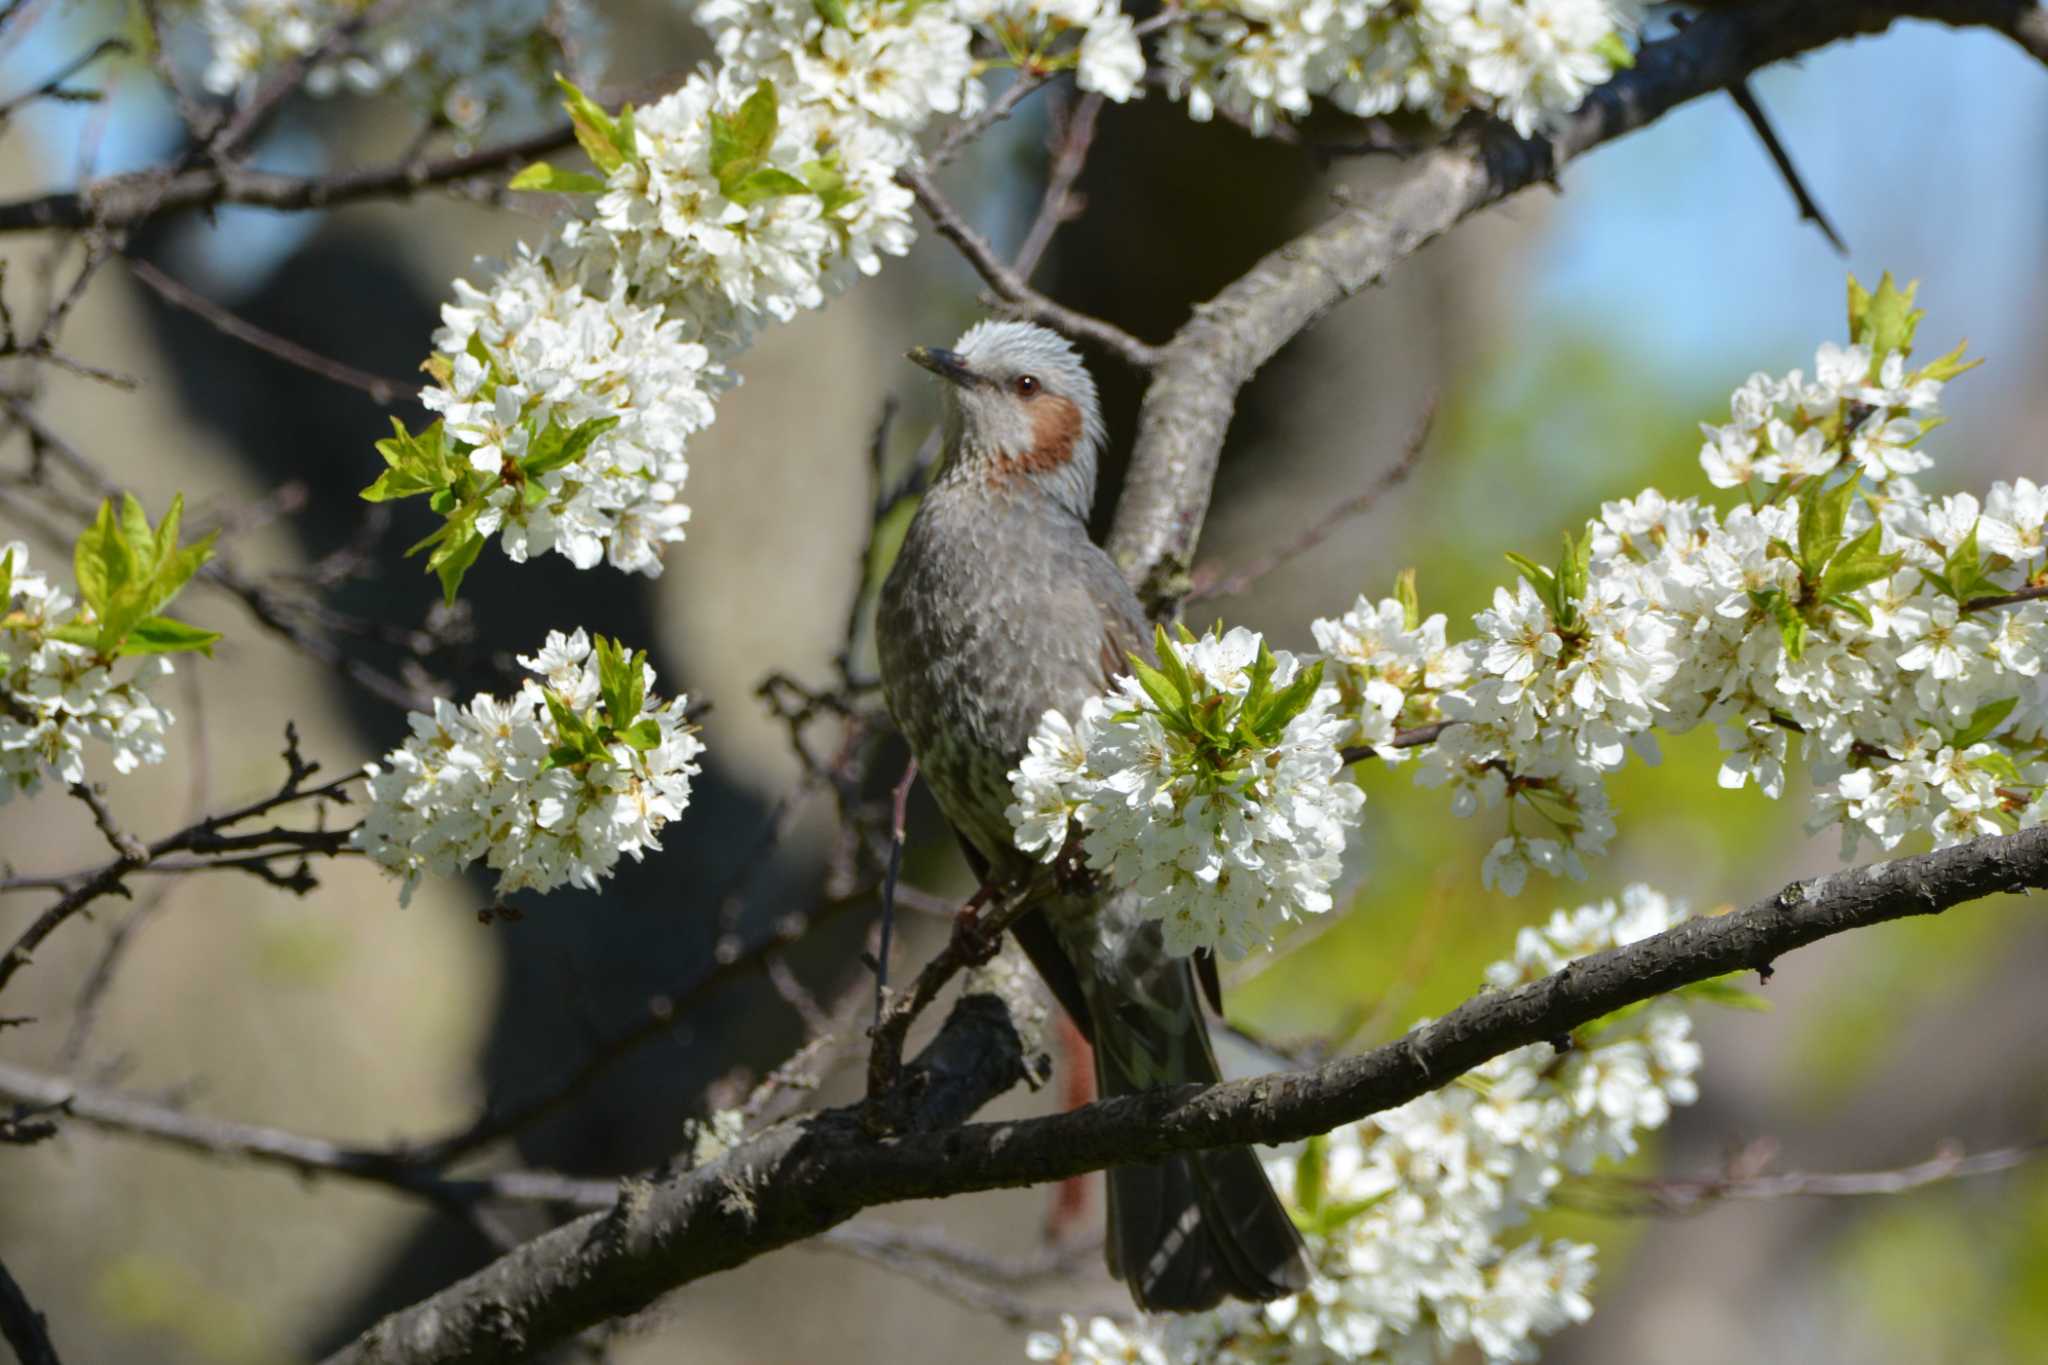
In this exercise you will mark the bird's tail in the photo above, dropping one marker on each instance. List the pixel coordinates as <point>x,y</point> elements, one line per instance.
<point>1186,1231</point>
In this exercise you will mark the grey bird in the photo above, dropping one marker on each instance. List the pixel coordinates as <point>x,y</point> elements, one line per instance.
<point>998,608</point>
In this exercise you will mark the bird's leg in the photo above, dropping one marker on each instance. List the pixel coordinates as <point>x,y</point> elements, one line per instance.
<point>975,946</point>
<point>899,809</point>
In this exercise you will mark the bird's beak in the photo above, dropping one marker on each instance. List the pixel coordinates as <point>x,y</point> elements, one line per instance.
<point>950,366</point>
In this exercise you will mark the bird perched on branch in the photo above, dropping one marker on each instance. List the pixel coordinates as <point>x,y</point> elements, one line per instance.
<point>998,609</point>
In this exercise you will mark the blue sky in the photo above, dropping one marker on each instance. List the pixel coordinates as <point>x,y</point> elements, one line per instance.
<point>1928,148</point>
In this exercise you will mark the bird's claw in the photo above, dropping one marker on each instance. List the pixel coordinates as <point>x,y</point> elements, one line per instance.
<point>971,941</point>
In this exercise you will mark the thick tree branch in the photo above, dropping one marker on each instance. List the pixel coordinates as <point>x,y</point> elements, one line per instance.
<point>1187,408</point>
<point>805,1176</point>
<point>25,1329</point>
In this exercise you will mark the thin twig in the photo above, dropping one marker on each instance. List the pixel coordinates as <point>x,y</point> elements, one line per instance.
<point>1211,583</point>
<point>1747,1177</point>
<point>384,391</point>
<point>26,1330</point>
<point>2033,593</point>
<point>1070,145</point>
<point>1809,208</point>
<point>1011,289</point>
<point>54,87</point>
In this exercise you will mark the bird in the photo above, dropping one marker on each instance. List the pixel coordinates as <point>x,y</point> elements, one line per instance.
<point>998,608</point>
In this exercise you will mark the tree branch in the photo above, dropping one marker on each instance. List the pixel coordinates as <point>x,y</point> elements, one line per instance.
<point>25,1329</point>
<point>805,1176</point>
<point>1187,409</point>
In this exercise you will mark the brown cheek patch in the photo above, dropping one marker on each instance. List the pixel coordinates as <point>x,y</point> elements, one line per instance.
<point>1055,428</point>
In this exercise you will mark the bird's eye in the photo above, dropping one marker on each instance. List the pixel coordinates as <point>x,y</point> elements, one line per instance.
<point>1026,385</point>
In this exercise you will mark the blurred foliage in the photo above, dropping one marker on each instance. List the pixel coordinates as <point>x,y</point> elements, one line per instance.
<point>158,1299</point>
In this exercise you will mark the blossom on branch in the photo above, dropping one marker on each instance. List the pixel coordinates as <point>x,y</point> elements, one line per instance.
<point>548,786</point>
<point>81,668</point>
<point>1415,1218</point>
<point>464,65</point>
<point>1210,786</point>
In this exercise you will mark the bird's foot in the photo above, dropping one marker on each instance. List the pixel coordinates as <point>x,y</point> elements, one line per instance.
<point>971,939</point>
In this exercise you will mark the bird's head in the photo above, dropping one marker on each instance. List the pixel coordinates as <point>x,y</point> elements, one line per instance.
<point>1021,411</point>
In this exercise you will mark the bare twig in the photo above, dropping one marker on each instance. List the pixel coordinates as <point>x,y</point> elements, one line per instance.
<point>1070,145</point>
<point>383,390</point>
<point>1011,288</point>
<point>1213,583</point>
<point>139,1116</point>
<point>1809,208</point>
<point>1747,1177</point>
<point>54,87</point>
<point>26,1330</point>
<point>2012,599</point>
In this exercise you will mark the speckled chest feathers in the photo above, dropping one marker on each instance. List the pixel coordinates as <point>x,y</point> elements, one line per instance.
<point>999,608</point>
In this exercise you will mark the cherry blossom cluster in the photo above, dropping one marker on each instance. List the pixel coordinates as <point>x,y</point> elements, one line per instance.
<point>1415,1218</point>
<point>1527,62</point>
<point>467,64</point>
<point>546,787</point>
<point>1838,615</point>
<point>569,384</point>
<point>55,694</point>
<point>1211,785</point>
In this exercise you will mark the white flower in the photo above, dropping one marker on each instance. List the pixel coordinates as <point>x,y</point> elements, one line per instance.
<point>1433,1261</point>
<point>469,64</point>
<point>499,781</point>
<point>1224,848</point>
<point>56,696</point>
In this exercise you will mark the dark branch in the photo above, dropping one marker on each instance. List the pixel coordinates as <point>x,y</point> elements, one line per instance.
<point>25,1329</point>
<point>803,1177</point>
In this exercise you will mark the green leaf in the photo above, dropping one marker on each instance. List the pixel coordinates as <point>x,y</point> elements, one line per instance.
<point>827,180</point>
<point>832,12</point>
<point>765,183</point>
<point>1310,1173</point>
<point>1983,721</point>
<point>1999,766</point>
<point>642,734</point>
<point>740,140</point>
<point>1822,512</point>
<point>556,446</point>
<point>1330,1218</point>
<point>1722,991</point>
<point>621,681</point>
<point>1158,687</point>
<point>1884,321</point>
<point>1171,664</point>
<point>1290,702</point>
<point>1574,569</point>
<point>1614,50</point>
<point>100,561</point>
<point>1949,366</point>
<point>542,177</point>
<point>452,560</point>
<point>414,464</point>
<point>141,541</point>
<point>595,131</point>
<point>6,580</point>
<point>162,635</point>
<point>1853,607</point>
<point>1410,600</point>
<point>1858,565</point>
<point>1540,578</point>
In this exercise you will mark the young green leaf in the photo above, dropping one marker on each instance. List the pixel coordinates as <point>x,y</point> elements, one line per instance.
<point>740,140</point>
<point>1983,721</point>
<point>766,182</point>
<point>1310,1174</point>
<point>832,12</point>
<point>162,635</point>
<point>1858,565</point>
<point>595,130</point>
<point>546,179</point>
<point>1883,321</point>
<point>1410,600</point>
<point>556,447</point>
<point>6,580</point>
<point>1159,688</point>
<point>642,734</point>
<point>452,560</point>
